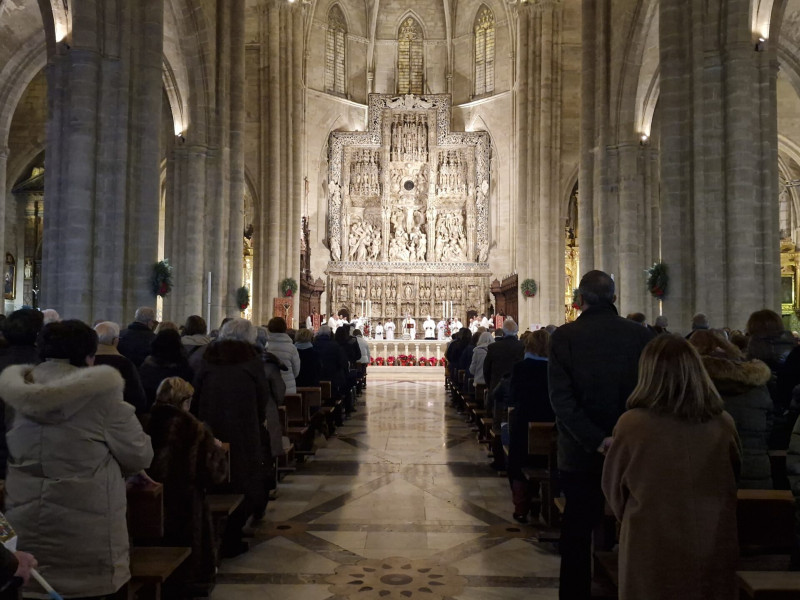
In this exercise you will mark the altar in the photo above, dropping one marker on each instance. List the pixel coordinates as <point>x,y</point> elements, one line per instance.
<point>417,348</point>
<point>408,216</point>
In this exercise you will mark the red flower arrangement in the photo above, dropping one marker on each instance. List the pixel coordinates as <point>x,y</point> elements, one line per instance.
<point>411,360</point>
<point>442,361</point>
<point>390,361</point>
<point>403,360</point>
<point>371,361</point>
<point>432,361</point>
<point>380,361</point>
<point>423,362</point>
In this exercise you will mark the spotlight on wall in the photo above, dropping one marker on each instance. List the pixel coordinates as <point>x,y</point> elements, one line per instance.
<point>644,139</point>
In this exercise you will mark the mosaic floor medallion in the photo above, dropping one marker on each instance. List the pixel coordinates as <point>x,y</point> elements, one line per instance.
<point>395,578</point>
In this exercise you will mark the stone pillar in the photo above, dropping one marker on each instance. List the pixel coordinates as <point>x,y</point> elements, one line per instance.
<point>100,238</point>
<point>538,105</point>
<point>282,143</point>
<point>4,196</point>
<point>633,256</point>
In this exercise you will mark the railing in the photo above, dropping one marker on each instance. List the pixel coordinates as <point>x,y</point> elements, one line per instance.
<point>417,348</point>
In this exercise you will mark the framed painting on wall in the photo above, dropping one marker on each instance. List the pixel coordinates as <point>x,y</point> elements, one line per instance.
<point>10,278</point>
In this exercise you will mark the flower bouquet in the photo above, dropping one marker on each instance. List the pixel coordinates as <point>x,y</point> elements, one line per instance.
<point>442,362</point>
<point>390,361</point>
<point>380,361</point>
<point>411,360</point>
<point>423,362</point>
<point>371,361</point>
<point>432,361</point>
<point>403,359</point>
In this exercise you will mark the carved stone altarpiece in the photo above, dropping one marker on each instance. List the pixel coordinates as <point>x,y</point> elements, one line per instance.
<point>408,212</point>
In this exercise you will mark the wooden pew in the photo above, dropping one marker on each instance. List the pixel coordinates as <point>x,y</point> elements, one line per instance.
<point>765,521</point>
<point>543,445</point>
<point>768,585</point>
<point>150,564</point>
<point>298,421</point>
<point>150,568</point>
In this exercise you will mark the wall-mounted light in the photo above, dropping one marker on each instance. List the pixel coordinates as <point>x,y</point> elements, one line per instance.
<point>179,138</point>
<point>644,139</point>
<point>761,44</point>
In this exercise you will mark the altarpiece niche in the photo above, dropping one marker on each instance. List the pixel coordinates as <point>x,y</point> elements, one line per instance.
<point>408,213</point>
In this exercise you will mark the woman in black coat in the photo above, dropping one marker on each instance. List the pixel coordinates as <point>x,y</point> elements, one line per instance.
<point>531,402</point>
<point>310,362</point>
<point>231,393</point>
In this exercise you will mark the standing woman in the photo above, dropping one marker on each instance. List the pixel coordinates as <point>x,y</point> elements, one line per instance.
<point>71,439</point>
<point>670,478</point>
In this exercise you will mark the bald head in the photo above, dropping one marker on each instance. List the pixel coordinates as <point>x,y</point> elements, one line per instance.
<point>596,288</point>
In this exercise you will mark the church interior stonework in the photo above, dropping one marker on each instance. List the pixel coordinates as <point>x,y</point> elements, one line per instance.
<point>369,147</point>
<point>407,166</point>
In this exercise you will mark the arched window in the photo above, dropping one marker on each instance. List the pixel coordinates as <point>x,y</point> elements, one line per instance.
<point>335,47</point>
<point>410,62</point>
<point>484,51</point>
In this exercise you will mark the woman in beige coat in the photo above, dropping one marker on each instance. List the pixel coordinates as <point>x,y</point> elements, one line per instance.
<point>71,438</point>
<point>670,478</point>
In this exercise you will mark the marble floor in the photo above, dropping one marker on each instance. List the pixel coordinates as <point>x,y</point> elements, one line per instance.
<point>401,504</point>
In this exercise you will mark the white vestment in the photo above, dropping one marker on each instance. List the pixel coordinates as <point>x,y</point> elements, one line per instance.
<point>378,331</point>
<point>389,329</point>
<point>333,324</point>
<point>440,327</point>
<point>412,331</point>
<point>473,327</point>
<point>430,329</point>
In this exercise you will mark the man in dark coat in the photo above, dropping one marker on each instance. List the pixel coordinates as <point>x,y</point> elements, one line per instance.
<point>20,329</point>
<point>134,342</point>
<point>593,368</point>
<point>503,354</point>
<point>107,354</point>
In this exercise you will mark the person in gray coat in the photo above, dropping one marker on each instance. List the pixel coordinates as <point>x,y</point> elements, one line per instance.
<point>71,439</point>
<point>281,345</point>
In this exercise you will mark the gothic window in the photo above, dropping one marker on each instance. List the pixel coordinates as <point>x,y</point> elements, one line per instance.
<point>410,63</point>
<point>484,51</point>
<point>335,44</point>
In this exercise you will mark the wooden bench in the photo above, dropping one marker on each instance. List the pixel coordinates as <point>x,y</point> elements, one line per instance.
<point>765,520</point>
<point>151,566</point>
<point>145,514</point>
<point>768,585</point>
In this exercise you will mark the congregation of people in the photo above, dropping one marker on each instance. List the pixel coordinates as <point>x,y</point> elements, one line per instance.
<point>194,410</point>
<point>651,426</point>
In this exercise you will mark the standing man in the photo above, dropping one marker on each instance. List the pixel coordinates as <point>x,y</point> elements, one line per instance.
<point>430,328</point>
<point>410,327</point>
<point>135,340</point>
<point>388,328</point>
<point>440,327</point>
<point>593,368</point>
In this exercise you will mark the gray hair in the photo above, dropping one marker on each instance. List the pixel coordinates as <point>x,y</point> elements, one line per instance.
<point>597,287</point>
<point>510,327</point>
<point>49,315</point>
<point>107,331</point>
<point>144,314</point>
<point>700,321</point>
<point>238,329</point>
<point>661,321</point>
<point>262,333</point>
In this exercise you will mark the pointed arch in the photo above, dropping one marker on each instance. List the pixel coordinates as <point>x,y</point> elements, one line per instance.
<point>336,52</point>
<point>410,56</point>
<point>483,51</point>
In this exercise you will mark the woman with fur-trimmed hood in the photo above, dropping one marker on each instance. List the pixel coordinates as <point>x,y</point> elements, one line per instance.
<point>71,438</point>
<point>743,387</point>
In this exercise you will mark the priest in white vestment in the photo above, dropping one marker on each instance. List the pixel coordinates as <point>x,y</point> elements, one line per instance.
<point>388,328</point>
<point>440,327</point>
<point>410,327</point>
<point>378,331</point>
<point>333,323</point>
<point>473,325</point>
<point>429,326</point>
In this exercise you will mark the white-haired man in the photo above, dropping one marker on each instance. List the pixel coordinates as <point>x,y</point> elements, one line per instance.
<point>107,354</point>
<point>135,340</point>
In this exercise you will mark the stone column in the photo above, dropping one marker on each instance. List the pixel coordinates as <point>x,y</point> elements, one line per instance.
<point>100,237</point>
<point>282,143</point>
<point>538,105</point>
<point>633,256</point>
<point>4,196</point>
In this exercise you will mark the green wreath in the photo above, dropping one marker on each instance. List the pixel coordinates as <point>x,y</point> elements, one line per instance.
<point>575,295</point>
<point>657,280</point>
<point>243,297</point>
<point>288,287</point>
<point>529,288</point>
<point>161,281</point>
